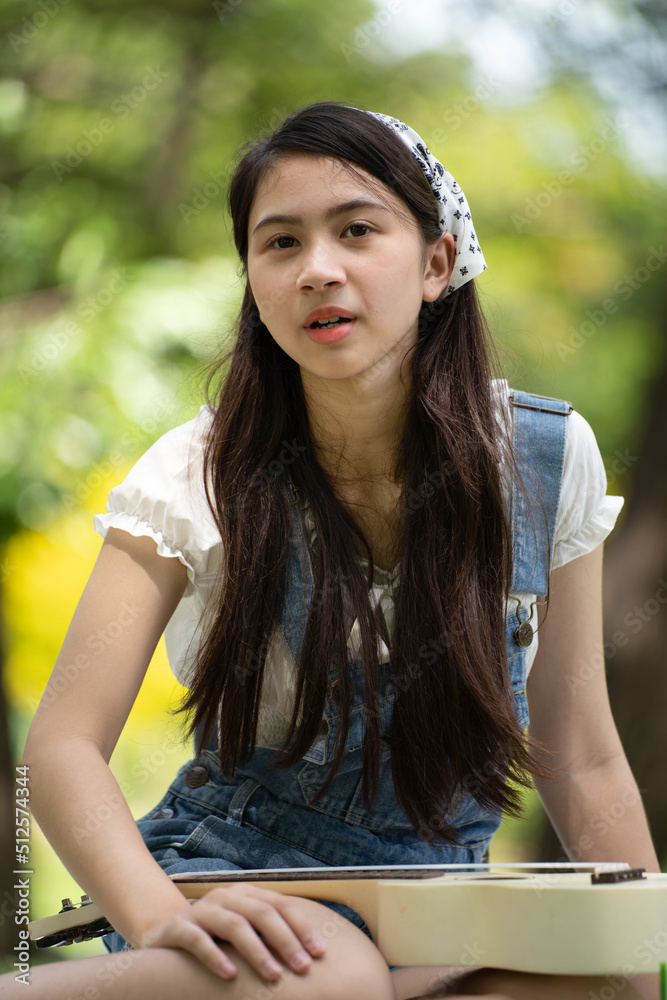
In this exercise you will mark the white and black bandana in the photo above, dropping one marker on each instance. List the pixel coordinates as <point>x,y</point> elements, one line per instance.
<point>455,215</point>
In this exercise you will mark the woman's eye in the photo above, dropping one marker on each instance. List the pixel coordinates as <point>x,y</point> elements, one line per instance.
<point>279,242</point>
<point>358,225</point>
<point>356,229</point>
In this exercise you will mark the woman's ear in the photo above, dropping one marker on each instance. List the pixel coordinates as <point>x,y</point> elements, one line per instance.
<point>439,266</point>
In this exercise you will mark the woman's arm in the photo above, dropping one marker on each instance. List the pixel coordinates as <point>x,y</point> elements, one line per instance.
<point>595,805</point>
<point>128,600</point>
<point>91,690</point>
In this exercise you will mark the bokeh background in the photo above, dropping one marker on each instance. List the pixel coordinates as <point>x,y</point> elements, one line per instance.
<point>119,123</point>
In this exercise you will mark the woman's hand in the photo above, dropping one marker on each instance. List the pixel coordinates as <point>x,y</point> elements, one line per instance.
<point>253,920</point>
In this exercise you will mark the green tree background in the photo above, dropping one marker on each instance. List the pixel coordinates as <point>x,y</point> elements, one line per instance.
<point>120,123</point>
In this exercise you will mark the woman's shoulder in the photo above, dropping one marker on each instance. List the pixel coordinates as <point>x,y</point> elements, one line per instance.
<point>586,513</point>
<point>170,470</point>
<point>163,495</point>
<point>580,441</point>
<point>180,446</point>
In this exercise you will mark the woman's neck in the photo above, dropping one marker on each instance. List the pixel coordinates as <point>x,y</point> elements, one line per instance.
<point>356,425</point>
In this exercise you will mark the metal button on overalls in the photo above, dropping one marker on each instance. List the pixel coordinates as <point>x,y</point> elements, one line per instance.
<point>196,776</point>
<point>524,634</point>
<point>165,813</point>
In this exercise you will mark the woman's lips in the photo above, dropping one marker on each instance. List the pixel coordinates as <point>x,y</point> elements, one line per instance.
<point>329,335</point>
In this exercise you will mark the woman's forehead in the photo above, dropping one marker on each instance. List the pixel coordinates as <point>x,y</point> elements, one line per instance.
<point>295,178</point>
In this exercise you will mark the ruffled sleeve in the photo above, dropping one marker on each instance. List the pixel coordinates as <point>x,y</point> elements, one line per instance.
<point>586,515</point>
<point>163,497</point>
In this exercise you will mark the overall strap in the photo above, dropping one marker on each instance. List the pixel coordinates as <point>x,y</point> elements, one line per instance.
<point>539,436</point>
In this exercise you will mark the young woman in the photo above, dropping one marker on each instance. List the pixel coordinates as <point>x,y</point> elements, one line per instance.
<point>350,555</point>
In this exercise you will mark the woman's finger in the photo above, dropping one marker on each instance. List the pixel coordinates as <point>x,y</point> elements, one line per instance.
<point>182,931</point>
<point>243,914</point>
<point>287,906</point>
<point>251,919</point>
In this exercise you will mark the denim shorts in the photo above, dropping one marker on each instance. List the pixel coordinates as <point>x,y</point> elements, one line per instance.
<point>208,821</point>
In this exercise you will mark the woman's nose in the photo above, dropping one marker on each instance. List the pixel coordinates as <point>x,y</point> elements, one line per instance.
<point>320,266</point>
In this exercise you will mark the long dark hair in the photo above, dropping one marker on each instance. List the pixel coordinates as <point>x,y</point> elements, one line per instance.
<point>454,725</point>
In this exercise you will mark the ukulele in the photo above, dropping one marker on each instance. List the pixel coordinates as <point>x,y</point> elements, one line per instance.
<point>579,919</point>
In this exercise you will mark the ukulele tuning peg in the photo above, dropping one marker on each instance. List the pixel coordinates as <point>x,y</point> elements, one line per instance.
<point>85,899</point>
<point>67,904</point>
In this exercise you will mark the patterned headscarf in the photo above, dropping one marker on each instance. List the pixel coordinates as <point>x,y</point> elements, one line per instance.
<point>455,215</point>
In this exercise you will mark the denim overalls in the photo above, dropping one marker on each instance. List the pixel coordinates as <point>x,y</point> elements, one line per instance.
<point>261,817</point>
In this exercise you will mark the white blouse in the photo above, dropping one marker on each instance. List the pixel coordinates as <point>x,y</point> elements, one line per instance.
<point>163,497</point>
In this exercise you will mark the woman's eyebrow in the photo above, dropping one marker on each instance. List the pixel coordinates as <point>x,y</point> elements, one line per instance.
<point>296,220</point>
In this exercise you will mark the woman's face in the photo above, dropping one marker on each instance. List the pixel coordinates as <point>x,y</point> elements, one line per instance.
<point>324,244</point>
